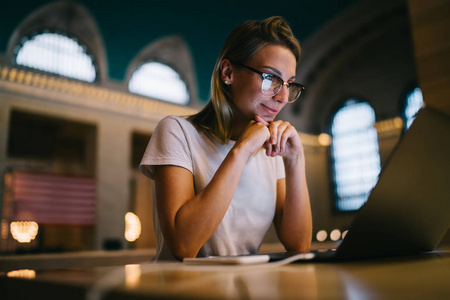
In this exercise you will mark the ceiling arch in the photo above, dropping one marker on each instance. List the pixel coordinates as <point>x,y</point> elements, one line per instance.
<point>364,53</point>
<point>69,18</point>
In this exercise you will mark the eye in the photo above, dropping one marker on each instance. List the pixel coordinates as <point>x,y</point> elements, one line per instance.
<point>268,76</point>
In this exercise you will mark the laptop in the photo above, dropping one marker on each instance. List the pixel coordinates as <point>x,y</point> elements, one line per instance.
<point>408,210</point>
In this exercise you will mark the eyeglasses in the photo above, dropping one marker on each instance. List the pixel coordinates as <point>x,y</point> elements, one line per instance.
<point>272,84</point>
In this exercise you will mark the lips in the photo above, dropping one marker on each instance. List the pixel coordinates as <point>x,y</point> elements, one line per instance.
<point>271,110</point>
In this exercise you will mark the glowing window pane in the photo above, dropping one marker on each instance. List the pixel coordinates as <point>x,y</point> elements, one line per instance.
<point>356,159</point>
<point>159,81</point>
<point>414,102</point>
<point>56,53</point>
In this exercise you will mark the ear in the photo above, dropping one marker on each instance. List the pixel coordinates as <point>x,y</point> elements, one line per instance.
<point>226,71</point>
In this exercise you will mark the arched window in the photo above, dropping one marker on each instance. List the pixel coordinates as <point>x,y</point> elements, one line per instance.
<point>159,81</point>
<point>56,53</point>
<point>414,102</point>
<point>355,155</point>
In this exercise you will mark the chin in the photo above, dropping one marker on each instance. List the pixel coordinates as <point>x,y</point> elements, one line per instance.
<point>268,119</point>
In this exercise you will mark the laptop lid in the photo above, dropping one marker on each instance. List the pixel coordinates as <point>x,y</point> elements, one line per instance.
<point>408,211</point>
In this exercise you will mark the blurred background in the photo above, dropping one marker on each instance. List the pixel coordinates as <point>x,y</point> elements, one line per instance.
<point>84,83</point>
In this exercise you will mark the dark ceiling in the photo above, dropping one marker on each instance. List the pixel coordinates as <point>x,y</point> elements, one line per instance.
<point>128,26</point>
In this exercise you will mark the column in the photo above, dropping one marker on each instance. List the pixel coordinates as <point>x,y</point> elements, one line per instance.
<point>113,175</point>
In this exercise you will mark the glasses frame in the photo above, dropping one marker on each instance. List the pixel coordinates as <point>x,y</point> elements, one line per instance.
<point>264,76</point>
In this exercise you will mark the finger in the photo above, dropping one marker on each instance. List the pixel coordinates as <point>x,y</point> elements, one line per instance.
<point>261,120</point>
<point>284,139</point>
<point>273,128</point>
<point>268,148</point>
<point>290,138</point>
<point>281,133</point>
<point>275,150</point>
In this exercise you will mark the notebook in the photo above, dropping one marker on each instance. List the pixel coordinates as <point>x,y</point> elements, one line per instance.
<point>408,210</point>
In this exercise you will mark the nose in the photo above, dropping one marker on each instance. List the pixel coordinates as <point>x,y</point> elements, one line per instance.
<point>283,94</point>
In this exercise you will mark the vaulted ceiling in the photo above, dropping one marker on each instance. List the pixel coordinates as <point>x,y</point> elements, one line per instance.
<point>128,26</point>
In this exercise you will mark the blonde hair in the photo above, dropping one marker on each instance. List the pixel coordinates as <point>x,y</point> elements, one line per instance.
<point>244,41</point>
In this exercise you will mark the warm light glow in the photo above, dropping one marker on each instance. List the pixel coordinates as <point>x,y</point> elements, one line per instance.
<point>389,125</point>
<point>4,230</point>
<point>335,235</point>
<point>344,234</point>
<point>132,227</point>
<point>321,235</point>
<point>398,122</point>
<point>132,275</point>
<point>24,231</point>
<point>324,139</point>
<point>24,273</point>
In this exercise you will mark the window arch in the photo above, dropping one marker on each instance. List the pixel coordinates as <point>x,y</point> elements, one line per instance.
<point>355,154</point>
<point>55,26</point>
<point>56,53</point>
<point>164,70</point>
<point>160,81</point>
<point>414,102</point>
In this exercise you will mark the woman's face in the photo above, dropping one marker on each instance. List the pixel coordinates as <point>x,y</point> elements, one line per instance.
<point>246,85</point>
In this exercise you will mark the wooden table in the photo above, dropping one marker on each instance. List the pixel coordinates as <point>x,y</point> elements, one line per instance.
<point>425,276</point>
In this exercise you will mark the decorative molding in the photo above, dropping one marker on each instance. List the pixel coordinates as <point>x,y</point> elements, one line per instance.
<point>91,96</point>
<point>389,125</point>
<point>85,95</point>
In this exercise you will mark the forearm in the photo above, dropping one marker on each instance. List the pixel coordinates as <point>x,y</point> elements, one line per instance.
<point>295,222</point>
<point>198,218</point>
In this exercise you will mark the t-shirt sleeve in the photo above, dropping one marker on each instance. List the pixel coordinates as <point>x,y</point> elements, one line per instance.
<point>168,146</point>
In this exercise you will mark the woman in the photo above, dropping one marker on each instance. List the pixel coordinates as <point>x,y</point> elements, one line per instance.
<point>223,175</point>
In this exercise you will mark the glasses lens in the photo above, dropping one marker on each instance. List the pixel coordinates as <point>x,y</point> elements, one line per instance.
<point>266,87</point>
<point>294,92</point>
<point>270,84</point>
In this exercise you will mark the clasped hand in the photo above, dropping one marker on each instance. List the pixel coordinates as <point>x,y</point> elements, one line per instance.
<point>277,138</point>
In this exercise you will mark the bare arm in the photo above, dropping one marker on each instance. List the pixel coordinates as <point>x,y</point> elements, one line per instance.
<point>293,219</point>
<point>188,220</point>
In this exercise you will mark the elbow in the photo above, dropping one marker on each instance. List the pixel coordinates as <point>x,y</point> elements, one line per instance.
<point>304,247</point>
<point>298,245</point>
<point>181,244</point>
<point>181,251</point>
<point>181,255</point>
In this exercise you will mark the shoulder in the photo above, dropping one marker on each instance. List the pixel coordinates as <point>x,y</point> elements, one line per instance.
<point>175,128</point>
<point>174,124</point>
<point>175,121</point>
<point>172,120</point>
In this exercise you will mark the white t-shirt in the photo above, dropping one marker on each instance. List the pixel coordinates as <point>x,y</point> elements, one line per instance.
<point>177,142</point>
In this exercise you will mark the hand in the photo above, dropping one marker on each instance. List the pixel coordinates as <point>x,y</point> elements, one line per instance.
<point>284,139</point>
<point>253,137</point>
